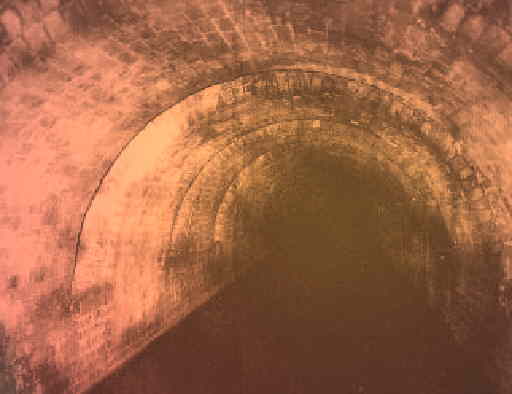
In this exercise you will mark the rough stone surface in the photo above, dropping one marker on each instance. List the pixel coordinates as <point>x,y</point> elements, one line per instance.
<point>97,196</point>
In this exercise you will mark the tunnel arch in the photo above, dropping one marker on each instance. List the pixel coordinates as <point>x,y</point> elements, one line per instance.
<point>449,59</point>
<point>173,130</point>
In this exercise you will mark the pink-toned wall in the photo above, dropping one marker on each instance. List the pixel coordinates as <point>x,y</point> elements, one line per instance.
<point>121,136</point>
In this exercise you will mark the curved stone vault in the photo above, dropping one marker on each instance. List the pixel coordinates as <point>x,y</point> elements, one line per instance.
<point>139,138</point>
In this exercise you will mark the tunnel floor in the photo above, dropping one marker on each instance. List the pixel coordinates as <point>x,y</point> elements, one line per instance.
<point>279,331</point>
<point>327,312</point>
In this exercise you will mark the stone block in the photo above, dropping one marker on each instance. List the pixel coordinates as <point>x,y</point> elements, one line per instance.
<point>36,36</point>
<point>4,36</point>
<point>12,23</point>
<point>55,25</point>
<point>49,5</point>
<point>506,55</point>
<point>476,194</point>
<point>452,17</point>
<point>30,11</point>
<point>19,52</point>
<point>473,27</point>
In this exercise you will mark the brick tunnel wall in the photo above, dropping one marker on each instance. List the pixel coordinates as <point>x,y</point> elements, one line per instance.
<point>80,81</point>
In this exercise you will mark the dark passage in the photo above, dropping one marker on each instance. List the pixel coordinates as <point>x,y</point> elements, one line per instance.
<point>329,312</point>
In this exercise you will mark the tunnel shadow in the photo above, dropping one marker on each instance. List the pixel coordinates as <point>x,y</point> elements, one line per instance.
<point>329,310</point>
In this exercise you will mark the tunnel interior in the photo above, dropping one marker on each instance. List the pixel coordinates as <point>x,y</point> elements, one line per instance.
<point>255,195</point>
<point>336,304</point>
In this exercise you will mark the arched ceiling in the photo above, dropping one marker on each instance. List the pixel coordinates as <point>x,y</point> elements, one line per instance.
<point>126,125</point>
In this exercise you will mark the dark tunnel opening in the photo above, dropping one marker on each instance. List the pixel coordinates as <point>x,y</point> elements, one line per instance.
<point>339,304</point>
